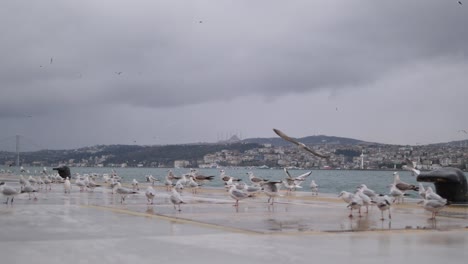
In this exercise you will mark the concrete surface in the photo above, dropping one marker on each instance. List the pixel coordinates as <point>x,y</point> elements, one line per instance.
<point>93,227</point>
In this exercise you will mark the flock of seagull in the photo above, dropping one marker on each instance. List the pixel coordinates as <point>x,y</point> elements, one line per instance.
<point>236,187</point>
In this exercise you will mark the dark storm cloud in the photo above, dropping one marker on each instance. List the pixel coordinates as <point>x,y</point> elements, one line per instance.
<point>172,53</point>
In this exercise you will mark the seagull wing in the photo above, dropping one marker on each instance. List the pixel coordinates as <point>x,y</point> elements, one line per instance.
<point>285,137</point>
<point>287,173</point>
<point>301,145</point>
<point>302,177</point>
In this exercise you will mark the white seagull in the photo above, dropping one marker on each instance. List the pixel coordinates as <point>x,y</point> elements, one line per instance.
<point>411,166</point>
<point>433,206</point>
<point>123,192</point>
<point>383,203</point>
<point>150,194</point>
<point>176,199</point>
<point>314,187</point>
<point>9,192</point>
<point>299,144</point>
<point>237,194</point>
<point>271,189</point>
<point>67,186</point>
<point>135,185</point>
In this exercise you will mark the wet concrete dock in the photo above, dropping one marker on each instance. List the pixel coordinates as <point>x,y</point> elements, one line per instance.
<point>94,227</point>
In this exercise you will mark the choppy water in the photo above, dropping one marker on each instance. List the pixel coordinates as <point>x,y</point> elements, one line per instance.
<point>329,181</point>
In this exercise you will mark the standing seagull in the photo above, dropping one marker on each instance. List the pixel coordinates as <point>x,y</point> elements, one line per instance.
<point>176,199</point>
<point>403,186</point>
<point>271,189</point>
<point>135,185</point>
<point>434,206</point>
<point>123,192</point>
<point>8,191</point>
<point>314,187</point>
<point>383,203</point>
<point>299,144</point>
<point>237,194</point>
<point>67,185</point>
<point>150,193</point>
<point>28,188</point>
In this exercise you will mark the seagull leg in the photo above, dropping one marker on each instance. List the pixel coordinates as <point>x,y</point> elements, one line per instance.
<point>382,215</point>
<point>350,212</point>
<point>360,212</point>
<point>179,208</point>
<point>389,215</point>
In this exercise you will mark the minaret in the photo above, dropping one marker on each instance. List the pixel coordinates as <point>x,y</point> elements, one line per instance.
<point>17,150</point>
<point>362,160</point>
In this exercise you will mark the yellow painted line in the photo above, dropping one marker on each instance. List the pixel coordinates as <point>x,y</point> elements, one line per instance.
<point>176,219</point>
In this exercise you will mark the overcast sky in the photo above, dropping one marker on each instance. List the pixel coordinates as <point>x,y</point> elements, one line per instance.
<point>198,71</point>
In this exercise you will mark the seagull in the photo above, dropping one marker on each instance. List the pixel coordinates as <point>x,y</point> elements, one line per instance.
<point>366,200</point>
<point>396,194</point>
<point>168,183</point>
<point>123,191</point>
<point>290,185</point>
<point>8,191</point>
<point>383,203</point>
<point>299,179</point>
<point>22,169</point>
<point>172,176</point>
<point>225,177</point>
<point>176,199</point>
<point>80,183</point>
<point>151,179</point>
<point>200,178</point>
<point>422,191</point>
<point>249,189</point>
<point>150,193</point>
<point>356,203</point>
<point>90,183</point>
<point>411,166</point>
<point>346,196</point>
<point>403,186</point>
<point>314,187</point>
<point>118,73</point>
<point>22,181</point>
<point>67,185</point>
<point>299,144</point>
<point>193,184</point>
<point>135,185</point>
<point>433,206</point>
<point>237,194</point>
<point>271,189</point>
<point>367,191</point>
<point>47,182</point>
<point>460,3</point>
<point>31,180</point>
<point>28,188</point>
<point>431,195</point>
<point>255,180</point>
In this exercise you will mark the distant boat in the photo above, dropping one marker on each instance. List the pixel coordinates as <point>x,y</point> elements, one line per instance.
<point>263,167</point>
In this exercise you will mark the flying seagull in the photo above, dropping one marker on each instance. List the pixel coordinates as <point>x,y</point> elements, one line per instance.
<point>460,2</point>
<point>299,144</point>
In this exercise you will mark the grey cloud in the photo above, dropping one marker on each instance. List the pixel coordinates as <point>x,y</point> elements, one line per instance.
<point>241,49</point>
